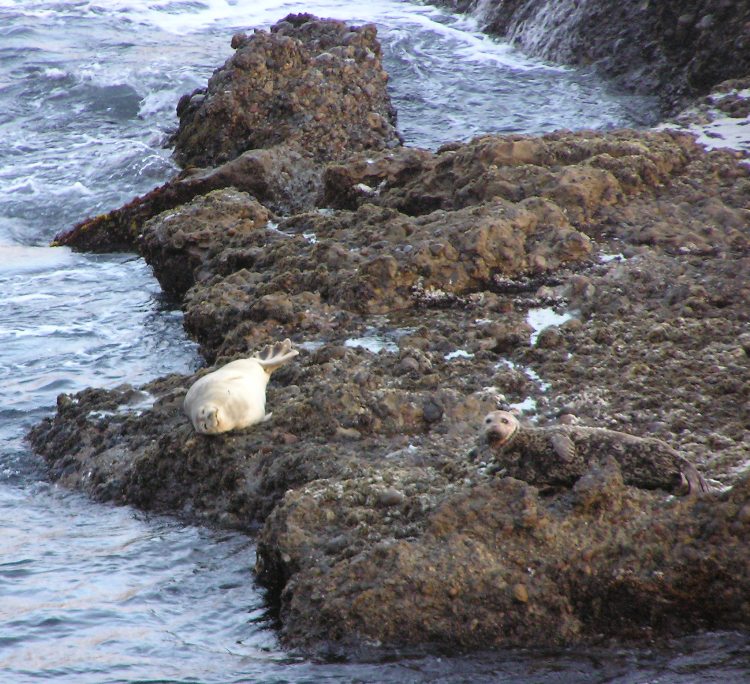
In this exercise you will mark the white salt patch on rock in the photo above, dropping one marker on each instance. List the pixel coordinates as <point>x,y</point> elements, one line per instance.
<point>723,132</point>
<point>141,401</point>
<point>365,189</point>
<point>458,354</point>
<point>310,345</point>
<point>529,373</point>
<point>528,405</point>
<point>374,343</point>
<point>714,129</point>
<point>533,375</point>
<point>376,339</point>
<point>543,317</point>
<point>274,228</point>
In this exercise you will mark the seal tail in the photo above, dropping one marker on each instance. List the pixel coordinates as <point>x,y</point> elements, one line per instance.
<point>275,355</point>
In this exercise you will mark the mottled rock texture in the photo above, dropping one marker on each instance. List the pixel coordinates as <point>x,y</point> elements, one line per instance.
<point>306,92</point>
<point>492,563</point>
<point>378,526</point>
<point>318,86</point>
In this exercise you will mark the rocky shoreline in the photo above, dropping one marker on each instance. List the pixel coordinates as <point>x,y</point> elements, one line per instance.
<point>411,282</point>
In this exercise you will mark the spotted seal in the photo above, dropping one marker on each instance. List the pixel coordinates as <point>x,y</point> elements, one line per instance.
<point>559,455</point>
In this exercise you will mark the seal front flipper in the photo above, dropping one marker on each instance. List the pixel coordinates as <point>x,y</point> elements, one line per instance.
<point>691,481</point>
<point>564,446</point>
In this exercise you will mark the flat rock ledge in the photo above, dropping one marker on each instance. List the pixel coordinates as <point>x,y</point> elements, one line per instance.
<point>412,282</point>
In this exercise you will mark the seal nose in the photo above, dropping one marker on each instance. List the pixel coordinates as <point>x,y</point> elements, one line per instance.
<point>494,435</point>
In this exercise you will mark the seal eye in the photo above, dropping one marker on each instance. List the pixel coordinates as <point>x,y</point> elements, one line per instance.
<point>504,421</point>
<point>488,420</point>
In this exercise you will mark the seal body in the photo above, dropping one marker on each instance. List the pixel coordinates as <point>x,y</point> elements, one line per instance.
<point>230,398</point>
<point>559,455</point>
<point>234,396</point>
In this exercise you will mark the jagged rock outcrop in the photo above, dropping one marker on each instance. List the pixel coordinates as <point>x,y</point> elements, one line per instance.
<point>377,525</point>
<point>414,556</point>
<point>317,86</point>
<point>290,99</point>
<point>179,244</point>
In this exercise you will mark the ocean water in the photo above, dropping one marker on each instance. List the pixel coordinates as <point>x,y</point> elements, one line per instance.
<point>91,593</point>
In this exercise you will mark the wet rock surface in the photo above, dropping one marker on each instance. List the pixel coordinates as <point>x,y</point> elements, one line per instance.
<point>316,85</point>
<point>495,563</point>
<point>407,281</point>
<point>676,49</point>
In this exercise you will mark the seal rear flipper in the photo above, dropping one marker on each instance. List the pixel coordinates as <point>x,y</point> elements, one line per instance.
<point>276,355</point>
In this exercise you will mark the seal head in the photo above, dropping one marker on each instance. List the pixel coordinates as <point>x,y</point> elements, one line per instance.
<point>500,427</point>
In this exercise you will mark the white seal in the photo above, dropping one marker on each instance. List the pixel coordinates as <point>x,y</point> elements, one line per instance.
<point>234,396</point>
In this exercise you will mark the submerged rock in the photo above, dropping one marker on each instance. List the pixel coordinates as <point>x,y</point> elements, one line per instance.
<point>675,49</point>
